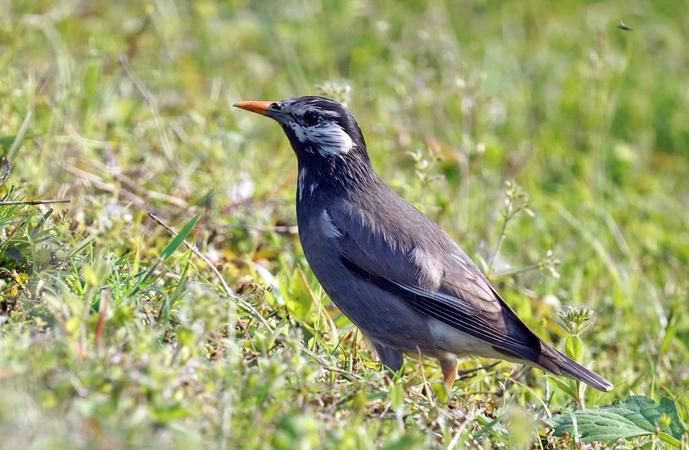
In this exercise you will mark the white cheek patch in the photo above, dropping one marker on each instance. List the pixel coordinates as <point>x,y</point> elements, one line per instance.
<point>303,107</point>
<point>299,131</point>
<point>328,138</point>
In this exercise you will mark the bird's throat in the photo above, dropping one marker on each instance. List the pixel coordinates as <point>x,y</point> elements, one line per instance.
<point>306,184</point>
<point>334,178</point>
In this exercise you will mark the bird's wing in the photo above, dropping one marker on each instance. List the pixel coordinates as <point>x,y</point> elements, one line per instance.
<point>421,265</point>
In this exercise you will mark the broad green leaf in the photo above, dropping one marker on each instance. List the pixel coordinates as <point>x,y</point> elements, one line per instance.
<point>634,417</point>
<point>298,298</point>
<point>574,347</point>
<point>174,244</point>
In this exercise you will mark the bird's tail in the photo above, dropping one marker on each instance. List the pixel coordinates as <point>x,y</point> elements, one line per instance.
<point>559,364</point>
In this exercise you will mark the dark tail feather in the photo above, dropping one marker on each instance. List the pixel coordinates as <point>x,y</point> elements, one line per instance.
<point>559,364</point>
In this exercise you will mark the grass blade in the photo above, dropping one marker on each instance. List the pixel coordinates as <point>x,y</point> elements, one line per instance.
<point>21,135</point>
<point>181,236</point>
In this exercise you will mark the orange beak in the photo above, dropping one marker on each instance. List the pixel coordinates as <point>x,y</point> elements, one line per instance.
<point>255,106</point>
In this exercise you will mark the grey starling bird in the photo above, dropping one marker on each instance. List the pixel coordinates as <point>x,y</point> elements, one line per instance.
<point>388,267</point>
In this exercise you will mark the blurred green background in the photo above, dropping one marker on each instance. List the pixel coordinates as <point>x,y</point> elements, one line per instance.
<point>124,108</point>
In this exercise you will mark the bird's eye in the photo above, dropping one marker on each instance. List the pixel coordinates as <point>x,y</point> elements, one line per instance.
<point>276,106</point>
<point>311,117</point>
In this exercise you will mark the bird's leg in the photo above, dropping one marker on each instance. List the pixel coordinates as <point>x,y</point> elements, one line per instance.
<point>449,367</point>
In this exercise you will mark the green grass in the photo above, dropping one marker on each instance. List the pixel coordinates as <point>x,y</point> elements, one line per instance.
<point>114,334</point>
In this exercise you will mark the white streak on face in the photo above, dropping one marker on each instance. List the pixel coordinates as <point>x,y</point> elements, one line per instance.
<point>331,139</point>
<point>327,137</point>
<point>299,131</point>
<point>299,107</point>
<point>328,113</point>
<point>430,270</point>
<point>329,228</point>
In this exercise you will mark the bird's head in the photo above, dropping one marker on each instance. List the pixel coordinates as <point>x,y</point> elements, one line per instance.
<point>324,135</point>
